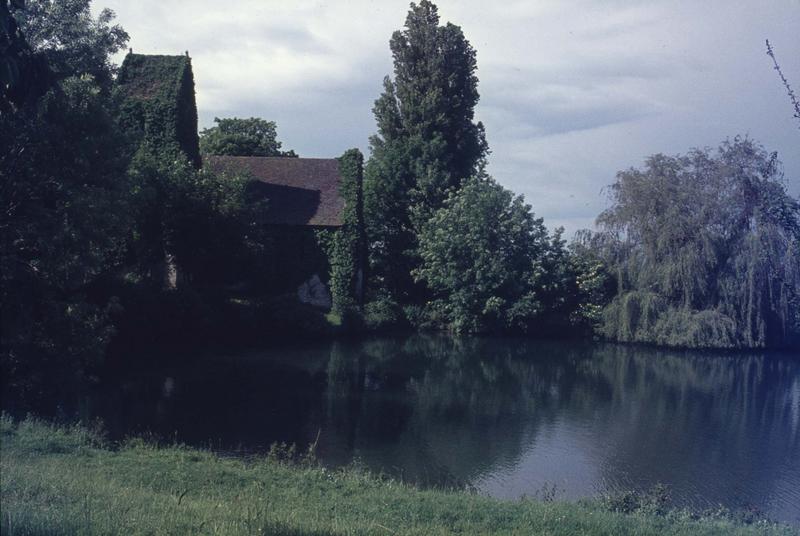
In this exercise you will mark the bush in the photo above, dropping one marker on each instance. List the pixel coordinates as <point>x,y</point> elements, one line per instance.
<point>419,317</point>
<point>382,314</point>
<point>655,501</point>
<point>34,436</point>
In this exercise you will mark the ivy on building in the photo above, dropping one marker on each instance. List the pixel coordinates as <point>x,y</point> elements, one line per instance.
<point>346,247</point>
<point>157,103</point>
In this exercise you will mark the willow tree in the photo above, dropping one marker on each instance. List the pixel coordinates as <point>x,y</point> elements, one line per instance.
<point>705,251</point>
<point>427,142</point>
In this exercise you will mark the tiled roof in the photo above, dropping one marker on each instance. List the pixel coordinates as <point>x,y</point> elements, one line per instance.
<point>300,191</point>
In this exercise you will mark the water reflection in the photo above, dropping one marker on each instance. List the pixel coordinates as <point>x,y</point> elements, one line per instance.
<point>507,416</point>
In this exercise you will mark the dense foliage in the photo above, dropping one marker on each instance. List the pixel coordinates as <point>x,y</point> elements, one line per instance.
<point>202,221</point>
<point>446,242</point>
<point>98,211</point>
<point>156,103</point>
<point>64,213</point>
<point>705,248</point>
<point>111,232</point>
<point>346,246</point>
<point>242,137</point>
<point>481,257</point>
<point>427,142</point>
<point>71,40</point>
<point>24,75</point>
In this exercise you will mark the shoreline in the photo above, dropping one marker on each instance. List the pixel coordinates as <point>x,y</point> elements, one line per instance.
<point>58,479</point>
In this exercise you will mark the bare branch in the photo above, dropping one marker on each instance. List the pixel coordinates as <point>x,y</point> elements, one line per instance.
<point>789,89</point>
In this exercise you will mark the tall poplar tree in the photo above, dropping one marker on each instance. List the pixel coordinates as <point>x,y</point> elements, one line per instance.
<point>427,143</point>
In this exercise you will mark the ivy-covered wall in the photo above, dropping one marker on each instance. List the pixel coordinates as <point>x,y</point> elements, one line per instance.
<point>346,247</point>
<point>336,254</point>
<point>157,102</point>
<point>157,108</point>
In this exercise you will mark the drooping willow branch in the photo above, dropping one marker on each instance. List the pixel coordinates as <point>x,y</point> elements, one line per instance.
<point>789,89</point>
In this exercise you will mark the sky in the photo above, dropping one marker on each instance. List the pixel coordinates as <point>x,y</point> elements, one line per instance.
<point>572,91</point>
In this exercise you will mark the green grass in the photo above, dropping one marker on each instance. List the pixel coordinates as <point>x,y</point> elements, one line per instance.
<point>66,480</point>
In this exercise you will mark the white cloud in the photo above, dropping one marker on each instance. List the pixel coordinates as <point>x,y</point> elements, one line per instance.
<point>572,91</point>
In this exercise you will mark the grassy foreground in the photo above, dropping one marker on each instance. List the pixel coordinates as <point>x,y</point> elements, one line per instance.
<point>61,480</point>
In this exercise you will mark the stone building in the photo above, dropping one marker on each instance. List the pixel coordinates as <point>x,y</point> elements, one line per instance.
<point>306,197</point>
<point>314,205</point>
<point>157,102</point>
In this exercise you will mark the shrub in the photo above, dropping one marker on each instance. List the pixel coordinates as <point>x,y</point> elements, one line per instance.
<point>383,313</point>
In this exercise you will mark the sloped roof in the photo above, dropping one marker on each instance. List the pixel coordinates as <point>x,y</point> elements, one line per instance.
<point>300,191</point>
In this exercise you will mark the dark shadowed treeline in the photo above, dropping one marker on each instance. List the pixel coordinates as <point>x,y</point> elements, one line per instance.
<point>62,220</point>
<point>113,238</point>
<point>96,216</point>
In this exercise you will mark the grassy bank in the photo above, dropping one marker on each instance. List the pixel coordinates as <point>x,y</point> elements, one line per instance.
<point>59,480</point>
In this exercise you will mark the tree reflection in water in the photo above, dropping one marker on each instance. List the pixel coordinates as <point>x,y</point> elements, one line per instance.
<point>508,416</point>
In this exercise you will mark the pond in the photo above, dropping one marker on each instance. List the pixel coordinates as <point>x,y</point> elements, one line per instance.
<point>508,417</point>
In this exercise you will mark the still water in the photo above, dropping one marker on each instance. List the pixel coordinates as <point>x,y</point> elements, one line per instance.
<point>509,417</point>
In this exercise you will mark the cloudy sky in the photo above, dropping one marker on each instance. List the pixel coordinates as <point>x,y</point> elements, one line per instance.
<point>571,90</point>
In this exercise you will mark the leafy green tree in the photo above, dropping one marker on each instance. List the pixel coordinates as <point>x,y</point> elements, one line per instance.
<point>72,41</point>
<point>392,238</point>
<point>242,137</point>
<point>64,215</point>
<point>435,91</point>
<point>24,75</point>
<point>427,144</point>
<point>482,258</point>
<point>592,286</point>
<point>704,248</point>
<point>203,221</point>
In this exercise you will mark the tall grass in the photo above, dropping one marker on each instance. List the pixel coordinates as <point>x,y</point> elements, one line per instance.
<point>67,480</point>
